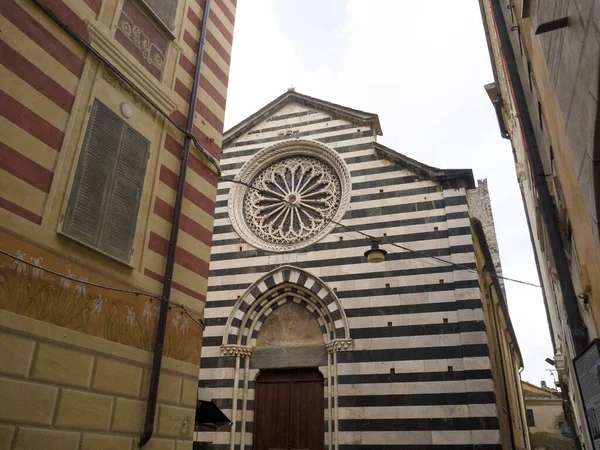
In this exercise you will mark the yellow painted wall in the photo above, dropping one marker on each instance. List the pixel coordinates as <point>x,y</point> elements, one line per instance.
<point>504,357</point>
<point>75,356</point>
<point>31,213</point>
<point>587,243</point>
<point>60,389</point>
<point>546,414</point>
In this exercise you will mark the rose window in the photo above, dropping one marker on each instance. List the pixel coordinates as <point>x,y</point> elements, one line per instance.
<point>292,200</point>
<point>289,195</point>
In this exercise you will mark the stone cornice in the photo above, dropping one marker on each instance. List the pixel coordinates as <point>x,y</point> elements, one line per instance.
<point>104,43</point>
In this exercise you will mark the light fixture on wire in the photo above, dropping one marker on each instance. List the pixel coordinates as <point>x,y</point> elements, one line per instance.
<point>375,254</point>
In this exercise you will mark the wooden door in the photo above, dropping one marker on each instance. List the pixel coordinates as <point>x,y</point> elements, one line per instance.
<point>288,411</point>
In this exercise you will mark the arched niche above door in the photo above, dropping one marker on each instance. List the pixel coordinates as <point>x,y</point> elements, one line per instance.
<point>289,337</point>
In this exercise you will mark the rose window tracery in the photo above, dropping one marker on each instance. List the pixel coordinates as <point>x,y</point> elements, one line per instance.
<point>289,195</point>
<point>292,200</point>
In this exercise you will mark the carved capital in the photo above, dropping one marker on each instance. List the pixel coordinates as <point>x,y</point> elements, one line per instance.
<point>236,350</point>
<point>339,345</point>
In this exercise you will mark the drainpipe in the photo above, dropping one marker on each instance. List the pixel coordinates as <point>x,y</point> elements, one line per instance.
<point>166,293</point>
<point>578,330</point>
<point>522,410</point>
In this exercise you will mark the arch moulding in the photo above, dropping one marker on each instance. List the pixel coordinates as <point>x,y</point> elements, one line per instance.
<point>276,288</point>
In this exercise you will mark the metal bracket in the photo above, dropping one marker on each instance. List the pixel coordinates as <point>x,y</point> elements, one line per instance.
<point>555,24</point>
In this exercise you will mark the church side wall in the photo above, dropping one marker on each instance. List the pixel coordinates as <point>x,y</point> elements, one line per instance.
<point>418,372</point>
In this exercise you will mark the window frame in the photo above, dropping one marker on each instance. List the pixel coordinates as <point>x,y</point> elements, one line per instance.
<point>147,8</point>
<point>530,418</point>
<point>72,184</point>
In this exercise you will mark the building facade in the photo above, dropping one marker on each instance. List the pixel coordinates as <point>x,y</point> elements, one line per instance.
<point>505,355</point>
<point>107,188</point>
<point>307,344</point>
<point>545,58</point>
<point>545,418</point>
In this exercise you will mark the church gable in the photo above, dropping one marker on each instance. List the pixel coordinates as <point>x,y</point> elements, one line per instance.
<point>295,105</point>
<point>283,118</point>
<point>295,118</point>
<point>288,122</point>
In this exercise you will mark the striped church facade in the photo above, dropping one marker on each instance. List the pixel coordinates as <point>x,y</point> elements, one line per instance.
<point>407,363</point>
<point>61,63</point>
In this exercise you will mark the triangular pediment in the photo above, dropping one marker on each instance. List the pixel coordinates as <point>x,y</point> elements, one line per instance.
<point>288,112</point>
<point>293,102</point>
<point>293,105</point>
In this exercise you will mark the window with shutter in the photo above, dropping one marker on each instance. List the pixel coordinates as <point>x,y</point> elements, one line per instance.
<point>165,11</point>
<point>105,198</point>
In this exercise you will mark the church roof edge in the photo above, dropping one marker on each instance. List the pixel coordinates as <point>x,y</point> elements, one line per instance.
<point>355,115</point>
<point>447,177</point>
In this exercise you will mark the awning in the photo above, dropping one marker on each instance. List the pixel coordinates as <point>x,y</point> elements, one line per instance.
<point>208,415</point>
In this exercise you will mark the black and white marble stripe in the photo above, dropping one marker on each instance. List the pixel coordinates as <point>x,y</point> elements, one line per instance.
<point>418,375</point>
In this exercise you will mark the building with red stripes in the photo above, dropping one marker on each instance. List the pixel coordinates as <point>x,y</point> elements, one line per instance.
<point>108,180</point>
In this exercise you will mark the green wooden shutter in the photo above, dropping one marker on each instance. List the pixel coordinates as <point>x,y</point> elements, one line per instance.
<point>124,200</point>
<point>105,198</point>
<point>93,179</point>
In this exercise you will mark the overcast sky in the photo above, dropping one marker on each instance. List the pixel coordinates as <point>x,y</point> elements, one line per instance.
<point>421,66</point>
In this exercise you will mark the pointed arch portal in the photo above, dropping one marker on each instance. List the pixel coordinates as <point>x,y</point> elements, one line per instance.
<point>288,323</point>
<point>283,285</point>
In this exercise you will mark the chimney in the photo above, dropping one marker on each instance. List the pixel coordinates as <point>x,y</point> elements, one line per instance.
<point>544,384</point>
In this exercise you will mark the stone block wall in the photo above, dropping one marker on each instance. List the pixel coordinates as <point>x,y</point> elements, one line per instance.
<point>480,206</point>
<point>60,389</point>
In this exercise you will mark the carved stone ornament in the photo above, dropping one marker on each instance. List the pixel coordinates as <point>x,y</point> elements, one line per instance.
<point>150,51</point>
<point>236,350</point>
<point>299,189</point>
<point>117,83</point>
<point>339,345</point>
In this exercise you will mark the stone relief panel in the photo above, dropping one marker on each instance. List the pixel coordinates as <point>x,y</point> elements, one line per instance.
<point>289,337</point>
<point>141,38</point>
<point>290,325</point>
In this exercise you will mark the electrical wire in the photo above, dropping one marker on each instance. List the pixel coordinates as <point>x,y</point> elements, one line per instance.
<point>109,288</point>
<point>200,322</point>
<point>383,241</point>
